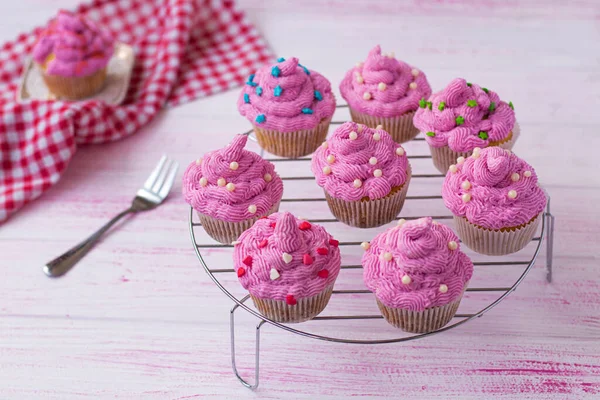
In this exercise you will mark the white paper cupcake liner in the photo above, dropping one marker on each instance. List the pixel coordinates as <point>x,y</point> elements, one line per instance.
<point>443,157</point>
<point>401,128</point>
<point>304,309</point>
<point>495,242</point>
<point>226,232</point>
<point>292,144</point>
<point>370,213</point>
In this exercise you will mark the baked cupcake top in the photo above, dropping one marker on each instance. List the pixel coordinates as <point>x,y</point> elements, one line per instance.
<point>416,265</point>
<point>73,46</point>
<point>284,258</point>
<point>360,162</point>
<point>286,97</point>
<point>383,86</point>
<point>232,184</point>
<point>464,116</point>
<point>493,189</point>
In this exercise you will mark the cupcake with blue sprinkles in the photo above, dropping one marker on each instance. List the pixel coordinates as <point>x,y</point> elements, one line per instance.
<point>289,106</point>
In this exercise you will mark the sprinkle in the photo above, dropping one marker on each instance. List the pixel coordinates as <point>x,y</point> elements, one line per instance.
<point>221,182</point>
<point>367,96</point>
<point>466,197</point>
<point>305,69</point>
<point>203,181</point>
<point>331,159</point>
<point>334,243</point>
<point>324,145</point>
<point>387,256</point>
<point>247,260</point>
<point>246,98</point>
<point>277,91</point>
<point>512,194</point>
<point>267,177</point>
<point>280,59</point>
<point>485,90</point>
<point>235,242</point>
<point>323,274</point>
<point>399,151</point>
<point>263,244</point>
<point>460,120</point>
<point>272,225</point>
<point>290,300</point>
<point>453,168</point>
<point>377,173</point>
<point>391,54</point>
<point>465,185</point>
<point>318,95</point>
<point>259,91</point>
<point>322,251</point>
<point>230,186</point>
<point>527,174</point>
<point>357,183</point>
<point>430,134</point>
<point>359,128</point>
<point>469,84</point>
<point>359,64</point>
<point>199,161</point>
<point>413,85</point>
<point>252,209</point>
<point>406,280</point>
<point>365,245</point>
<point>307,111</point>
<point>372,160</point>
<point>460,160</point>
<point>483,135</point>
<point>452,245</point>
<point>304,225</point>
<point>378,127</point>
<point>429,105</point>
<point>260,118</point>
<point>515,177</point>
<point>492,107</point>
<point>381,86</point>
<point>422,103</point>
<point>359,78</point>
<point>415,72</point>
<point>274,274</point>
<point>353,135</point>
<point>510,104</point>
<point>250,81</point>
<point>307,259</point>
<point>327,170</point>
<point>376,137</point>
<point>443,288</point>
<point>275,71</point>
<point>441,106</point>
<point>471,103</point>
<point>240,272</point>
<point>401,222</point>
<point>287,258</point>
<point>234,165</point>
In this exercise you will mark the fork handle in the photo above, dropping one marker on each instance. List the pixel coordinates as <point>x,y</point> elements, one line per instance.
<point>63,263</point>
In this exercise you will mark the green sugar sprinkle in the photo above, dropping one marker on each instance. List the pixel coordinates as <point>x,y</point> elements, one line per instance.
<point>483,135</point>
<point>429,105</point>
<point>460,120</point>
<point>441,106</point>
<point>485,90</point>
<point>471,103</point>
<point>430,134</point>
<point>422,103</point>
<point>492,107</point>
<point>510,104</point>
<point>469,84</point>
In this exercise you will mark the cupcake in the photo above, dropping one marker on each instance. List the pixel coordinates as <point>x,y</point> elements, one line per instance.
<point>288,265</point>
<point>417,273</point>
<point>289,106</point>
<point>230,189</point>
<point>72,54</point>
<point>496,201</point>
<point>385,91</point>
<point>464,116</point>
<point>364,175</point>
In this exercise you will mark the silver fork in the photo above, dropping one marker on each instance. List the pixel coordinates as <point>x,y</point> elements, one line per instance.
<point>151,195</point>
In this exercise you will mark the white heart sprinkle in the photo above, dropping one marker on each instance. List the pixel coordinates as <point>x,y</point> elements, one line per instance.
<point>287,258</point>
<point>274,274</point>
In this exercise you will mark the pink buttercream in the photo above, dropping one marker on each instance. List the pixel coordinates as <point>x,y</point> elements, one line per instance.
<point>251,187</point>
<point>491,179</point>
<point>420,251</point>
<point>262,247</point>
<point>293,98</point>
<point>79,46</point>
<point>352,161</point>
<point>397,98</point>
<point>496,125</point>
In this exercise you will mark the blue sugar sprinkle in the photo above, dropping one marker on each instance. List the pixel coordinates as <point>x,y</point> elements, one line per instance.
<point>261,118</point>
<point>318,95</point>
<point>304,68</point>
<point>280,59</point>
<point>275,71</point>
<point>258,91</point>
<point>250,81</point>
<point>277,91</point>
<point>307,111</point>
<point>246,98</point>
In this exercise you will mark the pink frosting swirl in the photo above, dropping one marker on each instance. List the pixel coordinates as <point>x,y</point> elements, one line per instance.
<point>286,97</point>
<point>464,116</point>
<point>232,184</point>
<point>357,154</point>
<point>73,46</point>
<point>493,178</point>
<point>424,270</point>
<point>283,258</point>
<point>390,84</point>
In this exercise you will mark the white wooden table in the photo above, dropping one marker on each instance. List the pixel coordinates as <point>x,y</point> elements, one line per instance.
<point>139,318</point>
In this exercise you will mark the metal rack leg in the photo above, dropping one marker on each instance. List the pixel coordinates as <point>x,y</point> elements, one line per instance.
<point>549,243</point>
<point>256,354</point>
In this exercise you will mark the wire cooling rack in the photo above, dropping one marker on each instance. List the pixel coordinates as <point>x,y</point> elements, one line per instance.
<point>204,245</point>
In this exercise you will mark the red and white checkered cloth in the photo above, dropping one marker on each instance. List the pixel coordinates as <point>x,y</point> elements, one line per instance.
<point>184,49</point>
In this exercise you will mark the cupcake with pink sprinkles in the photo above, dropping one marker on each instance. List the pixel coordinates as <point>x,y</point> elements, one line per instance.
<point>385,91</point>
<point>230,189</point>
<point>288,265</point>
<point>418,274</point>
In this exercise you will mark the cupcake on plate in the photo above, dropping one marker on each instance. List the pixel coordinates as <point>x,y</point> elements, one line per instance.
<point>230,189</point>
<point>496,201</point>
<point>72,54</point>
<point>289,106</point>
<point>464,116</point>
<point>288,265</point>
<point>418,274</point>
<point>364,175</point>
<point>385,91</point>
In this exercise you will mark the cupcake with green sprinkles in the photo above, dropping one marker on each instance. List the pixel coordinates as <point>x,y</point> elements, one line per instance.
<point>462,117</point>
<point>289,106</point>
